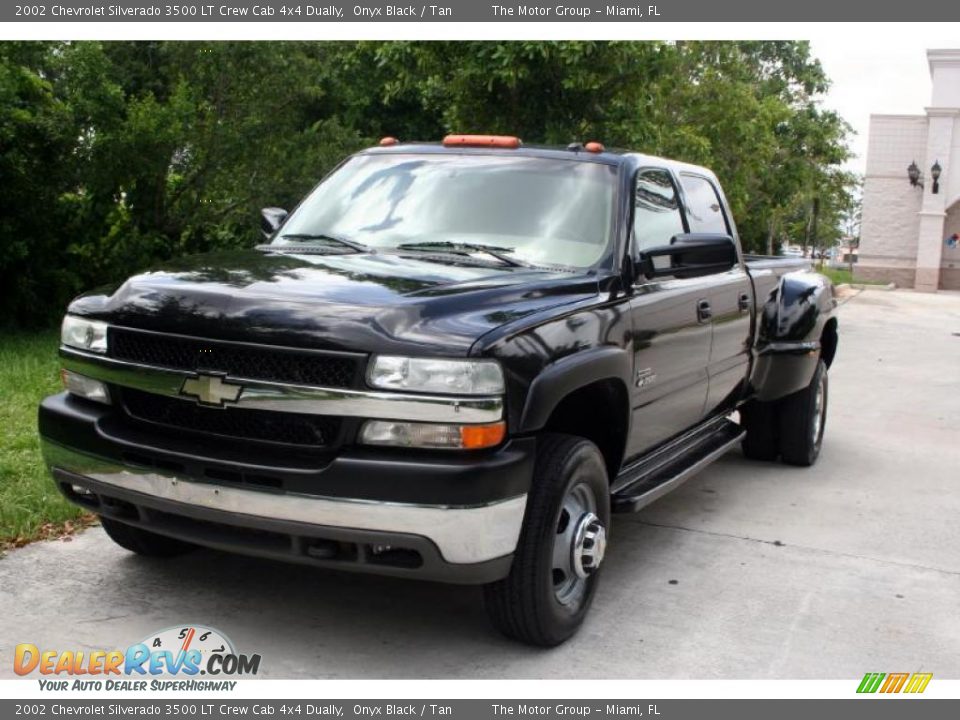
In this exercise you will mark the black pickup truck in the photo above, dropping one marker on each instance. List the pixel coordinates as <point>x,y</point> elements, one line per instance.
<point>451,361</point>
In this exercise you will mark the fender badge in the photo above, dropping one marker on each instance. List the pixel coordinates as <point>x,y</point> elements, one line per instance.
<point>645,377</point>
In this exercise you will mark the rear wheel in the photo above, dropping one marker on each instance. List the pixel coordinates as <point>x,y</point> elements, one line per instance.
<point>803,417</point>
<point>144,542</point>
<point>558,558</point>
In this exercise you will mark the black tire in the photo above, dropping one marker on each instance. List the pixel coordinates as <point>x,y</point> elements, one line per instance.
<point>802,423</point>
<point>528,604</point>
<point>762,440</point>
<point>144,542</point>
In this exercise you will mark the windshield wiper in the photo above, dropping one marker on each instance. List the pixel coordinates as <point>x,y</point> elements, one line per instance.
<point>457,248</point>
<point>326,238</point>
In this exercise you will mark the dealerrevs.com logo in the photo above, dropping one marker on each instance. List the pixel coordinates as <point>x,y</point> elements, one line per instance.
<point>185,651</point>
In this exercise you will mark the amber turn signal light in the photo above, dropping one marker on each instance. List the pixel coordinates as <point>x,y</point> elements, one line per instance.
<point>475,437</point>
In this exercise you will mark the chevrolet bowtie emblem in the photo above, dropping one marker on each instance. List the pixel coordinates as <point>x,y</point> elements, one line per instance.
<point>211,390</point>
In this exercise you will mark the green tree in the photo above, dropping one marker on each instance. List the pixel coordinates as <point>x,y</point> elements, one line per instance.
<point>38,131</point>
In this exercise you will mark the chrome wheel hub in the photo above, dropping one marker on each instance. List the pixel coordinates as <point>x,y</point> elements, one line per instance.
<point>589,545</point>
<point>579,545</point>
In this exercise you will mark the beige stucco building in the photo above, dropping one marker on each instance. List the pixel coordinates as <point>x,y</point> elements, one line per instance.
<point>905,228</point>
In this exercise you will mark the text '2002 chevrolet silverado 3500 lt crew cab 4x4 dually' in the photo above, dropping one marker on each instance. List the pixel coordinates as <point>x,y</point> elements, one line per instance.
<point>452,361</point>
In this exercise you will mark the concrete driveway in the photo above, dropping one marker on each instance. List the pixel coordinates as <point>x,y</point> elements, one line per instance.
<point>749,571</point>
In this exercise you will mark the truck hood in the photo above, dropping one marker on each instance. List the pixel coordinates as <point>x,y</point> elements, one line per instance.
<point>380,302</point>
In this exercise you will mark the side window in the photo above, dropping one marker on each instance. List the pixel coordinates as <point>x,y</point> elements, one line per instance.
<point>704,211</point>
<point>656,215</point>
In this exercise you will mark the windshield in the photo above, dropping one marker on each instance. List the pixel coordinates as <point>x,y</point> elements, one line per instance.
<point>538,211</point>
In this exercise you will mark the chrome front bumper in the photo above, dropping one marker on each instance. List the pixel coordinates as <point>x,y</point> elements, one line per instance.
<point>462,534</point>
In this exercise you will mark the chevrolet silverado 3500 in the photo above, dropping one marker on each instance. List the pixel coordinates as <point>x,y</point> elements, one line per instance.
<point>451,361</point>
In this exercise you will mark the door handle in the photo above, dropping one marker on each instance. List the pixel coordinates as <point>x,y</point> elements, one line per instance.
<point>704,313</point>
<point>743,302</point>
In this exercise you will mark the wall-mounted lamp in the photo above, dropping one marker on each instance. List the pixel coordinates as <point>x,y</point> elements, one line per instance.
<point>913,172</point>
<point>916,179</point>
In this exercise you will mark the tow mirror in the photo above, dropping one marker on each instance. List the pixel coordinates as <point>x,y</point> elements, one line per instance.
<point>271,218</point>
<point>690,255</point>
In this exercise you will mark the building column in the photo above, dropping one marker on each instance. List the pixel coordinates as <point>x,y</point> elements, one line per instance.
<point>929,250</point>
<point>933,211</point>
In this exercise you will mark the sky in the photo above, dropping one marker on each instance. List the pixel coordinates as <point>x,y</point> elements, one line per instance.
<point>877,72</point>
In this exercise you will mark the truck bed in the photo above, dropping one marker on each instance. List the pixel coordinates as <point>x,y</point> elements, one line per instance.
<point>766,270</point>
<point>777,263</point>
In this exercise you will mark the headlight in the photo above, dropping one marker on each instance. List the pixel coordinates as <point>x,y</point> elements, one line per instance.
<point>454,377</point>
<point>84,334</point>
<point>432,435</point>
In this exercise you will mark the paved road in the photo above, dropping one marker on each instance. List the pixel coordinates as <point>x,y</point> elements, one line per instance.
<point>749,571</point>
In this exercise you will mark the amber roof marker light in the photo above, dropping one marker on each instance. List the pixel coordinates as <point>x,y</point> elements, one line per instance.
<point>496,141</point>
<point>388,141</point>
<point>594,147</point>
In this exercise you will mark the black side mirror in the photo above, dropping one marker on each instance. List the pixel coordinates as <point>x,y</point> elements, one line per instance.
<point>271,220</point>
<point>690,255</point>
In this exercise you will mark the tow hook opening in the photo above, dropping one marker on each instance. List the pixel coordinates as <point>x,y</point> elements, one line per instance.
<point>323,549</point>
<point>393,556</point>
<point>373,553</point>
<point>81,495</point>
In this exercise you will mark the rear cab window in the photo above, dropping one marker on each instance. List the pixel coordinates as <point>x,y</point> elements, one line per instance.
<point>705,212</point>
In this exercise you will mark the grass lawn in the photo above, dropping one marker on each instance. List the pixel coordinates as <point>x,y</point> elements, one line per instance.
<point>836,275</point>
<point>30,506</point>
<point>844,276</point>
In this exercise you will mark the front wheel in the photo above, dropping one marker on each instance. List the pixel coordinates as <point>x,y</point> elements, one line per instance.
<point>558,558</point>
